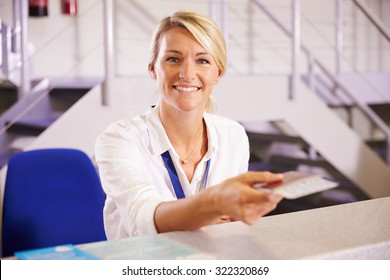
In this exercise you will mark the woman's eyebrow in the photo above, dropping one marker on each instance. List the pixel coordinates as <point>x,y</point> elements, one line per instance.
<point>173,51</point>
<point>202,53</point>
<point>178,52</point>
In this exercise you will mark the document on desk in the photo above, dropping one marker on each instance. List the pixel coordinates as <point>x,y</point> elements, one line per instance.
<point>63,252</point>
<point>144,247</point>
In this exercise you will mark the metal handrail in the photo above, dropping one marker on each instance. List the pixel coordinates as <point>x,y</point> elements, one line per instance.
<point>339,49</point>
<point>373,18</point>
<point>364,107</point>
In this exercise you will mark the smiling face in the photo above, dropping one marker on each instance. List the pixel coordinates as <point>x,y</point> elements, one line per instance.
<point>185,72</point>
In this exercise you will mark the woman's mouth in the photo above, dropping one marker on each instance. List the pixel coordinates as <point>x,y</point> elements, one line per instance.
<point>186,88</point>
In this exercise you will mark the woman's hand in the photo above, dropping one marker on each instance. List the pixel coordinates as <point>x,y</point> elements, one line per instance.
<point>237,199</point>
<point>233,199</point>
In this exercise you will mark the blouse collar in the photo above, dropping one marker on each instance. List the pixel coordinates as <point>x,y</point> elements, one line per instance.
<point>159,140</point>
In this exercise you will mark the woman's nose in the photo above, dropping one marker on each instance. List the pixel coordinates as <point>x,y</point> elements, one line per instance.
<point>187,71</point>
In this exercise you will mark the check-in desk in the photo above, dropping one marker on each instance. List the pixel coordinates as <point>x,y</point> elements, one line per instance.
<point>359,230</point>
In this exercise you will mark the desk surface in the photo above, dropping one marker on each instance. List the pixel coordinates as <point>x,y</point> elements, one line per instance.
<point>358,230</point>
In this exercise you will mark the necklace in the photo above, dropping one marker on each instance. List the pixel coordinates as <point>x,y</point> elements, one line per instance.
<point>185,161</point>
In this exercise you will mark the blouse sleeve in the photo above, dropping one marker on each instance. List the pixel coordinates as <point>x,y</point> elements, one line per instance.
<point>245,152</point>
<point>131,199</point>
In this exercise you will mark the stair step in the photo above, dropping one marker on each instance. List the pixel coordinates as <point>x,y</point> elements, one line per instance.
<point>72,87</point>
<point>33,127</point>
<point>72,93</point>
<point>305,161</point>
<point>274,137</point>
<point>42,116</point>
<point>380,147</point>
<point>8,97</point>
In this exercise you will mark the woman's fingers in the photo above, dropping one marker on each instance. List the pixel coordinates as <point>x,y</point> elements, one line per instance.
<point>241,201</point>
<point>258,204</point>
<point>253,177</point>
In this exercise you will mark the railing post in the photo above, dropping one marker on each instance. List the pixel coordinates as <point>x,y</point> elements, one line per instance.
<point>213,10</point>
<point>339,34</point>
<point>25,83</point>
<point>15,46</point>
<point>250,37</point>
<point>5,50</point>
<point>225,22</point>
<point>108,52</point>
<point>295,16</point>
<point>388,151</point>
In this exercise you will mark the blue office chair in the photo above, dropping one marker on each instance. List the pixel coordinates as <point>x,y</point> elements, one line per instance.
<point>51,197</point>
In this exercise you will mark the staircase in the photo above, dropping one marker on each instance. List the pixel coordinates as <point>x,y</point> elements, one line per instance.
<point>25,119</point>
<point>291,139</point>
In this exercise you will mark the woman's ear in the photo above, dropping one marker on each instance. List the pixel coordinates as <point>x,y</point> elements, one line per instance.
<point>220,74</point>
<point>152,73</point>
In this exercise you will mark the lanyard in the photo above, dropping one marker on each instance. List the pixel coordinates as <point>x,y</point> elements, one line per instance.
<point>175,178</point>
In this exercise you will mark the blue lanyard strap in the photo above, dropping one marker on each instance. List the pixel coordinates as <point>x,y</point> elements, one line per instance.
<point>173,175</point>
<point>175,178</point>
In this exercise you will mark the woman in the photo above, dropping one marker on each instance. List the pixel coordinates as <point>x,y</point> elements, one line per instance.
<point>179,167</point>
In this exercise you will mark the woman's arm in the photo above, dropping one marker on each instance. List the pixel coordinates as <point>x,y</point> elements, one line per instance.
<point>234,197</point>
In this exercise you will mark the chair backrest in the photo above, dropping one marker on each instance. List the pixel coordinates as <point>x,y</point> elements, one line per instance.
<point>51,197</point>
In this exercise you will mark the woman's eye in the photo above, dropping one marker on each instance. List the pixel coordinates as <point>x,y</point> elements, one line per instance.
<point>203,61</point>
<point>173,59</point>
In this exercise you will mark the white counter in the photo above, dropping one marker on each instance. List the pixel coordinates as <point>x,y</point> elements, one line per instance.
<point>358,230</point>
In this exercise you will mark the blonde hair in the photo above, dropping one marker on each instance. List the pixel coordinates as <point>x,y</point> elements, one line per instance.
<point>205,31</point>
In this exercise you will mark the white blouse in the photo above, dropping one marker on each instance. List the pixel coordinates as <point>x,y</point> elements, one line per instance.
<point>135,179</point>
